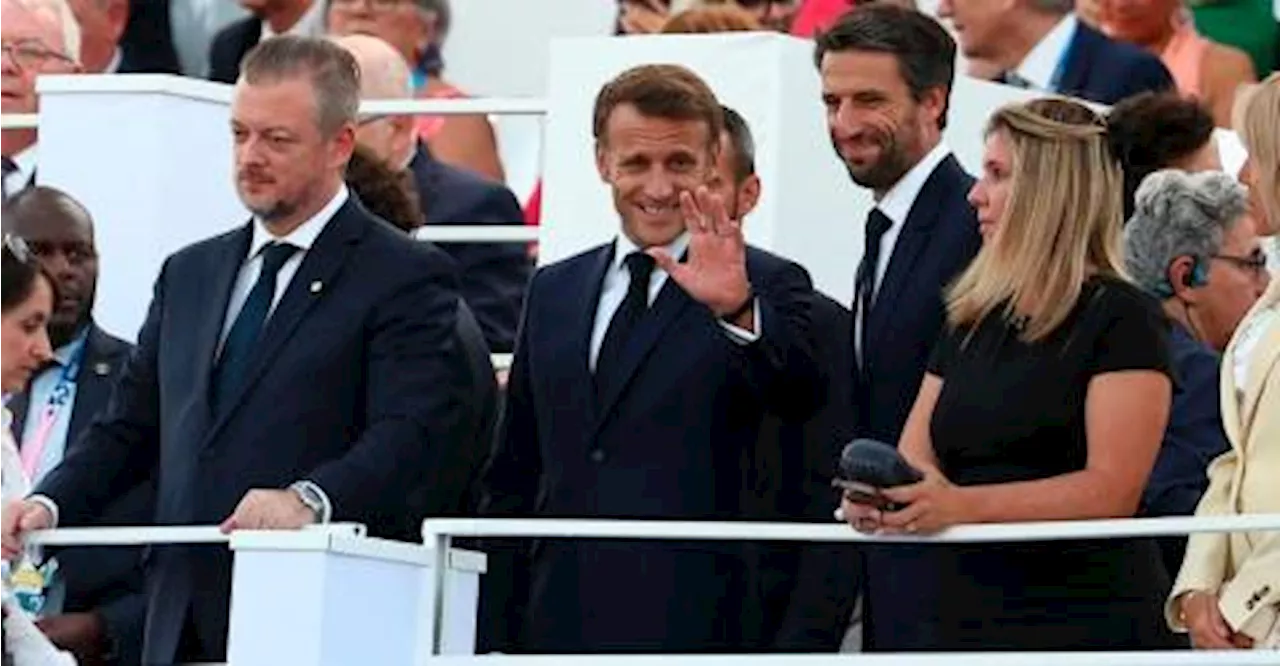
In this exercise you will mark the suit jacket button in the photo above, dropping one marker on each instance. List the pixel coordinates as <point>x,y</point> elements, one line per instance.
<point>597,456</point>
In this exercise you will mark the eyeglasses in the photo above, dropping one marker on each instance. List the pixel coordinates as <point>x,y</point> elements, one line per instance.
<point>377,6</point>
<point>30,54</point>
<point>18,248</point>
<point>1256,262</point>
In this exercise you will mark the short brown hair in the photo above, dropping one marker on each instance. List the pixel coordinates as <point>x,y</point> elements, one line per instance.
<point>671,92</point>
<point>386,192</point>
<point>332,70</point>
<point>712,19</point>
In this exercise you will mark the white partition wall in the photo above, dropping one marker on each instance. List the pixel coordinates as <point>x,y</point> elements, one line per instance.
<point>150,157</point>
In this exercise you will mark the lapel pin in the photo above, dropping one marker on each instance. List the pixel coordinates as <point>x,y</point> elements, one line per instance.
<point>101,369</point>
<point>316,287</point>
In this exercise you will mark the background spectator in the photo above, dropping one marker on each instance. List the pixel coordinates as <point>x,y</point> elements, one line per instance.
<point>1154,131</point>
<point>388,193</point>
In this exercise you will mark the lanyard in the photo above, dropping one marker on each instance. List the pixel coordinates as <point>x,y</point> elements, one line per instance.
<point>33,450</point>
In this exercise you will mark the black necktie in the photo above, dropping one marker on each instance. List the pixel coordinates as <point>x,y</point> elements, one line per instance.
<point>634,305</point>
<point>243,336</point>
<point>865,288</point>
<point>8,166</point>
<point>1016,80</point>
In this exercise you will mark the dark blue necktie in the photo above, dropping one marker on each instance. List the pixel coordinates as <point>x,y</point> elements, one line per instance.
<point>243,336</point>
<point>634,305</point>
<point>865,289</point>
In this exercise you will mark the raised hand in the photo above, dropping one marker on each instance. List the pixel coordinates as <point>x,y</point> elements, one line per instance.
<point>715,271</point>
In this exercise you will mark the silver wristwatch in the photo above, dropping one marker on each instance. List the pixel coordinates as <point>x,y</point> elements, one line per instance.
<point>310,498</point>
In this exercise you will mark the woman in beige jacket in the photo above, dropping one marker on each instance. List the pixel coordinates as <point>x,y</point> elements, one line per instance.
<point>1228,591</point>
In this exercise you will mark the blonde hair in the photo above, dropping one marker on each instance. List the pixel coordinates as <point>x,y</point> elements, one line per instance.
<point>1256,119</point>
<point>59,12</point>
<point>1060,226</point>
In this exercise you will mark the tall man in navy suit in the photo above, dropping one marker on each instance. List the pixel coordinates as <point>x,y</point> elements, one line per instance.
<point>95,606</point>
<point>641,371</point>
<point>1042,45</point>
<point>886,84</point>
<point>297,369</point>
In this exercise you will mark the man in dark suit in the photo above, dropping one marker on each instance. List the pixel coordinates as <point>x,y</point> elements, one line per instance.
<point>95,607</point>
<point>886,83</point>
<point>493,275</point>
<point>789,471</point>
<point>298,369</point>
<point>1042,45</point>
<point>640,374</point>
<point>304,18</point>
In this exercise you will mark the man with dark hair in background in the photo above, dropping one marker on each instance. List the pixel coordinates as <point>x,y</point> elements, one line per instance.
<point>638,386</point>
<point>95,606</point>
<point>301,368</point>
<point>886,85</point>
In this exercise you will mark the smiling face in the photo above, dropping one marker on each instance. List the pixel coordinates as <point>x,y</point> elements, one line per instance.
<point>877,127</point>
<point>648,161</point>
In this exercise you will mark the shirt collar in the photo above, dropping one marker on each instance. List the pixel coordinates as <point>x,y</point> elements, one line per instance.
<point>310,24</point>
<point>896,203</point>
<point>623,247</point>
<point>62,355</point>
<point>26,161</point>
<point>1041,64</point>
<point>305,235</point>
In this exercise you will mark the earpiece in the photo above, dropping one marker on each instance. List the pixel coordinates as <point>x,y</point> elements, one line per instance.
<point>1198,276</point>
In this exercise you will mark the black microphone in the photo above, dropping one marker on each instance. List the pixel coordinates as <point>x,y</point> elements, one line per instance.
<point>868,466</point>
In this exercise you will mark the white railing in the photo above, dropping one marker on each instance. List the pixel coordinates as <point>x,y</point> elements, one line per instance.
<point>156,535</point>
<point>440,532</point>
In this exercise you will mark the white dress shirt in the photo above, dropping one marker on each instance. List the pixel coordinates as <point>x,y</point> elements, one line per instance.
<point>1041,64</point>
<point>617,280</point>
<point>25,161</point>
<point>310,24</point>
<point>896,205</point>
<point>302,237</point>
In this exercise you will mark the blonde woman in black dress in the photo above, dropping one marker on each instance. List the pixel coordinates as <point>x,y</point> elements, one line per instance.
<point>1046,399</point>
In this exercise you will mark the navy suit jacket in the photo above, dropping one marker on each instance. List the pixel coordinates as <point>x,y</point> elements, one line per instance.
<point>1193,438</point>
<point>937,242</point>
<point>147,42</point>
<point>107,581</point>
<point>801,594</point>
<point>664,441</point>
<point>229,47</point>
<point>352,386</point>
<point>493,275</point>
<point>1103,70</point>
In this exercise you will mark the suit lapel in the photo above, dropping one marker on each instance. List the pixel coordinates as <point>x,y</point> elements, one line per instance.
<point>1265,355</point>
<point>916,232</point>
<point>671,301</point>
<point>93,384</point>
<point>586,301</point>
<point>320,265</point>
<point>224,266</point>
<point>1079,58</point>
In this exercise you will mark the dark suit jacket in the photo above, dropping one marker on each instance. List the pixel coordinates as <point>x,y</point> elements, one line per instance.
<point>104,580</point>
<point>493,275</point>
<point>664,441</point>
<point>1104,70</point>
<point>230,45</point>
<point>938,240</point>
<point>1193,438</point>
<point>147,42</point>
<point>801,594</point>
<point>352,386</point>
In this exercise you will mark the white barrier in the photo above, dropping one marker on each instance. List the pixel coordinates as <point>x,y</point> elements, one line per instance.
<point>441,531</point>
<point>303,597</point>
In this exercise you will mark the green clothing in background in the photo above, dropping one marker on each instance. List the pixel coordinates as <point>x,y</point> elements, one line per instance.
<point>1249,25</point>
